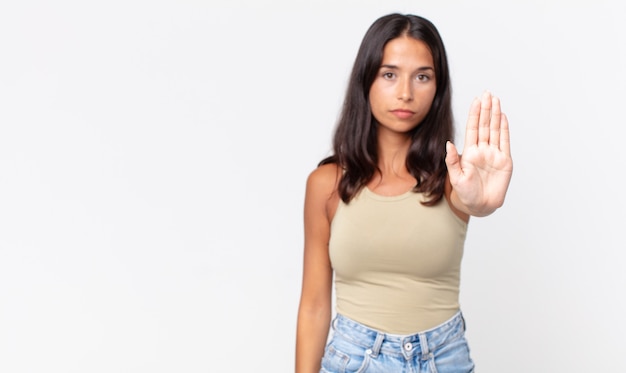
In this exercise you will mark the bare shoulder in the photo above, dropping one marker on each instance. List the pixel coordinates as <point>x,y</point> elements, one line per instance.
<point>324,178</point>
<point>321,189</point>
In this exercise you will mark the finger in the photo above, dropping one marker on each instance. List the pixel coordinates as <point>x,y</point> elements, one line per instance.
<point>453,161</point>
<point>505,142</point>
<point>494,126</point>
<point>471,129</point>
<point>485,118</point>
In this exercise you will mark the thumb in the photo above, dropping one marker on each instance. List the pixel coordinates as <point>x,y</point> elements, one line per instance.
<point>453,161</point>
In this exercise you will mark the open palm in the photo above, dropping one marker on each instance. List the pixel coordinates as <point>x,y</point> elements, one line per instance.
<point>480,176</point>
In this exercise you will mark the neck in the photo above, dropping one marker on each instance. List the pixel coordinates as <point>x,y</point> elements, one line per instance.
<point>392,152</point>
<point>393,177</point>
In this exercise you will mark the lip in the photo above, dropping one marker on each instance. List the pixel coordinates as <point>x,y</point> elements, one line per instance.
<point>402,113</point>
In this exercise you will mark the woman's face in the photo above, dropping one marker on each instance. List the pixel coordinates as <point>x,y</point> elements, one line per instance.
<point>405,86</point>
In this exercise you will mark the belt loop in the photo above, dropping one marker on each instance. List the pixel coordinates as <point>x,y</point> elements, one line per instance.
<point>425,352</point>
<point>377,344</point>
<point>464,324</point>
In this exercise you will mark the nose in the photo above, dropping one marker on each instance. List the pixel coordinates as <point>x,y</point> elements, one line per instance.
<point>405,90</point>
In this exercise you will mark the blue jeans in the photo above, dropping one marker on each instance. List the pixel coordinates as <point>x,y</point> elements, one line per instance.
<point>356,348</point>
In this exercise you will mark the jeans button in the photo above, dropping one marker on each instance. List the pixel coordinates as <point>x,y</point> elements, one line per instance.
<point>408,346</point>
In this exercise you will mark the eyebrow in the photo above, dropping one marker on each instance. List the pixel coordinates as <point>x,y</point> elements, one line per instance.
<point>423,68</point>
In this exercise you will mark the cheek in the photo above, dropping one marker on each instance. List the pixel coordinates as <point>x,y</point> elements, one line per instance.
<point>374,94</point>
<point>429,98</point>
<point>380,94</point>
<point>374,100</point>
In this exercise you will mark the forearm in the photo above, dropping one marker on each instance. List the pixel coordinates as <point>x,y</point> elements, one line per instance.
<point>311,338</point>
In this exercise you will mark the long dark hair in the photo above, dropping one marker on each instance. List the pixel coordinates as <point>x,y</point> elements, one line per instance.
<point>355,138</point>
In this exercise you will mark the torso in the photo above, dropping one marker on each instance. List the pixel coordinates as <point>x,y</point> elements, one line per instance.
<point>396,261</point>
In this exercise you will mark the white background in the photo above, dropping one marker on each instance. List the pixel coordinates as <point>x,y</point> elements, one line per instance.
<point>153,156</point>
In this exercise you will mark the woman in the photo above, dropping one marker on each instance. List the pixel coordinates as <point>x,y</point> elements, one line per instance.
<point>386,215</point>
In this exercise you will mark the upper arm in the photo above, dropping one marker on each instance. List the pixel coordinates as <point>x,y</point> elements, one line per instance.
<point>317,270</point>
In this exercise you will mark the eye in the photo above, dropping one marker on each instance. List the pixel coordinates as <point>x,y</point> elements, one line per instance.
<point>389,75</point>
<point>422,77</point>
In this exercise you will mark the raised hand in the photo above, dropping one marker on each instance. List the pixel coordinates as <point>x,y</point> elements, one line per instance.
<point>480,176</point>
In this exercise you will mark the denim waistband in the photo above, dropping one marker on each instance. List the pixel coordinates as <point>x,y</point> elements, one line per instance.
<point>422,343</point>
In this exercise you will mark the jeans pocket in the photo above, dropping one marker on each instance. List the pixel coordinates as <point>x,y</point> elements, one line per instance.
<point>334,361</point>
<point>342,356</point>
<point>453,357</point>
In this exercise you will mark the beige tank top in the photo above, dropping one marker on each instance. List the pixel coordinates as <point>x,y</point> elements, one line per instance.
<point>397,262</point>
